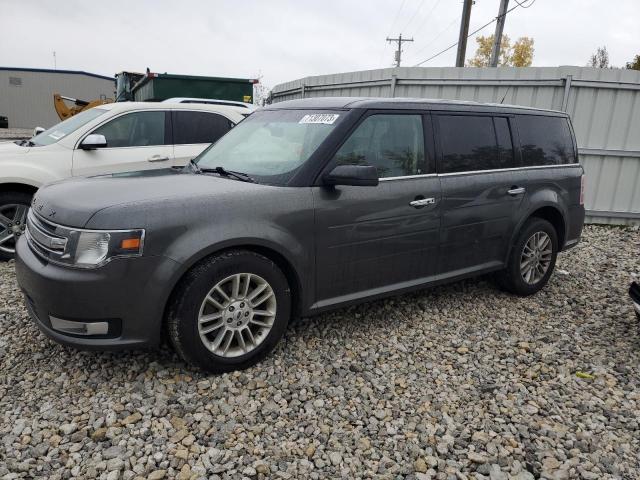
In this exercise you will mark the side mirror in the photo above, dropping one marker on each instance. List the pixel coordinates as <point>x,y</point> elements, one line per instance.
<point>356,175</point>
<point>93,141</point>
<point>37,131</point>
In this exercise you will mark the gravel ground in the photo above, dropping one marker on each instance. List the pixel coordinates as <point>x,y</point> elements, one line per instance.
<point>461,381</point>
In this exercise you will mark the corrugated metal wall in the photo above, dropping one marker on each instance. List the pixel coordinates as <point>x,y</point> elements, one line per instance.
<point>604,105</point>
<point>26,96</point>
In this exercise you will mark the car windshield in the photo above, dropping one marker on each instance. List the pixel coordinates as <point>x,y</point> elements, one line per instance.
<point>70,125</point>
<point>271,145</point>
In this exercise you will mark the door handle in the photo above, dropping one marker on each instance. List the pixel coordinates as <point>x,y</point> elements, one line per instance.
<point>516,191</point>
<point>422,202</point>
<point>157,158</point>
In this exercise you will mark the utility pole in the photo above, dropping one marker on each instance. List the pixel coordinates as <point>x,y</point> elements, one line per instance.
<point>55,63</point>
<point>398,55</point>
<point>497,36</point>
<point>464,32</point>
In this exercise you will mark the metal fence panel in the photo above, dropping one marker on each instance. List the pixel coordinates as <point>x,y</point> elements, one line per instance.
<point>604,105</point>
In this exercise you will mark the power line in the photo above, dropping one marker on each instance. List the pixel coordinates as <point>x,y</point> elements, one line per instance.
<point>470,35</point>
<point>438,35</point>
<point>424,21</point>
<point>414,15</point>
<point>396,17</point>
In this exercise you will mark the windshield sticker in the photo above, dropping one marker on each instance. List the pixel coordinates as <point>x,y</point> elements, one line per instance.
<point>324,118</point>
<point>57,135</point>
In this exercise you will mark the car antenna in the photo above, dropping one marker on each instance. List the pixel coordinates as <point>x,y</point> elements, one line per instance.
<point>505,94</point>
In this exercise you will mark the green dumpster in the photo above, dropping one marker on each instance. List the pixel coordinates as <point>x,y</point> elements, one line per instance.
<point>155,87</point>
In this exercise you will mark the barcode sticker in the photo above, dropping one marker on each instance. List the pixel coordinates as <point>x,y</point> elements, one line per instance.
<point>324,118</point>
<point>57,135</point>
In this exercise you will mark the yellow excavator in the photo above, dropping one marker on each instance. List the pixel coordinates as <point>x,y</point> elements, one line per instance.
<point>65,111</point>
<point>125,82</point>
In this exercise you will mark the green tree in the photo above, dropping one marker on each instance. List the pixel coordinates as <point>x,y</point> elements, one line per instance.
<point>520,54</point>
<point>634,64</point>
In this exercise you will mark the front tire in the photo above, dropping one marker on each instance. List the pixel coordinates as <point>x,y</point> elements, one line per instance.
<point>13,216</point>
<point>532,258</point>
<point>229,311</point>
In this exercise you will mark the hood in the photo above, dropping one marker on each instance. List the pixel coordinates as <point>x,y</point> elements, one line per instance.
<point>73,202</point>
<point>12,149</point>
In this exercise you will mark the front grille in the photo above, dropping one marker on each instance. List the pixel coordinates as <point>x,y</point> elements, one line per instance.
<point>44,237</point>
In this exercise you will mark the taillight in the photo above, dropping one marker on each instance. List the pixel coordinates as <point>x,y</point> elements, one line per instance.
<point>582,190</point>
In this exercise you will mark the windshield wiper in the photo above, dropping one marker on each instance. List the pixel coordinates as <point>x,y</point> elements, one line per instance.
<point>223,172</point>
<point>25,143</point>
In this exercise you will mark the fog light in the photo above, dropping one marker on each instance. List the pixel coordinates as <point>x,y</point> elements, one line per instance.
<point>79,328</point>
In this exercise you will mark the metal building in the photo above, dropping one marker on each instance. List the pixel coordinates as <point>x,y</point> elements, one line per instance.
<point>604,105</point>
<point>26,94</point>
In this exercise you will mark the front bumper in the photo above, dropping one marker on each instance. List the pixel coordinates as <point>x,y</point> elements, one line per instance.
<point>128,295</point>
<point>634,293</point>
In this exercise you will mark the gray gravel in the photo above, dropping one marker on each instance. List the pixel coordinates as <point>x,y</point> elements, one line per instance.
<point>461,381</point>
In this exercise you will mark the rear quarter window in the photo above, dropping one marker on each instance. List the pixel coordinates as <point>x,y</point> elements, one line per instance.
<point>474,143</point>
<point>198,127</point>
<point>545,140</point>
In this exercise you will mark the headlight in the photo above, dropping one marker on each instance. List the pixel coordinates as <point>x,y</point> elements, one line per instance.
<point>95,248</point>
<point>81,248</point>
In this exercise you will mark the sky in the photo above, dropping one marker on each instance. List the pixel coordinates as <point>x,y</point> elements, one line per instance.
<point>283,40</point>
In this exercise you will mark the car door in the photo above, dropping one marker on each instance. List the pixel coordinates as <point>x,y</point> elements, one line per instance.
<point>481,194</point>
<point>374,239</point>
<point>193,131</point>
<point>135,141</point>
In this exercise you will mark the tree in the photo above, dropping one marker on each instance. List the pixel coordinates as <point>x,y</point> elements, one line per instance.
<point>520,54</point>
<point>634,64</point>
<point>600,59</point>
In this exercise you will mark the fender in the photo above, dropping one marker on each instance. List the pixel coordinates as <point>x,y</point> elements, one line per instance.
<point>295,258</point>
<point>538,200</point>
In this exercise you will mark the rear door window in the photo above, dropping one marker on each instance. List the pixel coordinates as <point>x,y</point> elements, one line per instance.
<point>136,129</point>
<point>198,127</point>
<point>394,144</point>
<point>545,140</point>
<point>474,142</point>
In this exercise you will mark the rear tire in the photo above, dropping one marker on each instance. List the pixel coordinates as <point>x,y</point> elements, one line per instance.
<point>532,258</point>
<point>13,216</point>
<point>229,311</point>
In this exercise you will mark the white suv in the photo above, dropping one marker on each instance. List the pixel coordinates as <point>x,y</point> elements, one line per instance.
<point>112,138</point>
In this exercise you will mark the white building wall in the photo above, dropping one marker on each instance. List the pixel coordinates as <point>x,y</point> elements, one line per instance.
<point>30,104</point>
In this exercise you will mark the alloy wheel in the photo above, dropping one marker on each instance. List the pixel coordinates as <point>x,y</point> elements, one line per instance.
<point>13,217</point>
<point>536,257</point>
<point>237,315</point>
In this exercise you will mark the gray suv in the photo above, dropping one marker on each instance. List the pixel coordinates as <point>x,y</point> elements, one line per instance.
<point>305,206</point>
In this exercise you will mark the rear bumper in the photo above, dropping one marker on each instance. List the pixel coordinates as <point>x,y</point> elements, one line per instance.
<point>124,300</point>
<point>634,293</point>
<point>575,224</point>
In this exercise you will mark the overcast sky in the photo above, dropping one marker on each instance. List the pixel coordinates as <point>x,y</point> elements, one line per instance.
<point>284,40</point>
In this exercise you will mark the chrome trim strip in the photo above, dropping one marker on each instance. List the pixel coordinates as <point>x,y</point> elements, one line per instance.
<point>514,169</point>
<point>79,328</point>
<point>424,175</point>
<point>43,238</point>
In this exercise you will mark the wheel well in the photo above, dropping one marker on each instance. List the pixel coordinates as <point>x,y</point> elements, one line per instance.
<point>282,263</point>
<point>555,218</point>
<point>18,187</point>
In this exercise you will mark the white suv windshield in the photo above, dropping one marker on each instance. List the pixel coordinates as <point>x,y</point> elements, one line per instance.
<point>70,125</point>
<point>271,145</point>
